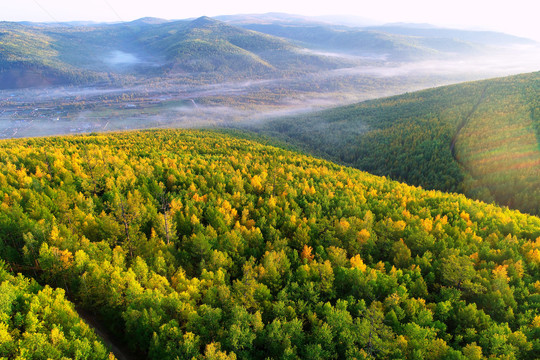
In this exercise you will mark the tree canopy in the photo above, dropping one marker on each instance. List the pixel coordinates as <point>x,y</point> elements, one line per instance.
<point>196,244</point>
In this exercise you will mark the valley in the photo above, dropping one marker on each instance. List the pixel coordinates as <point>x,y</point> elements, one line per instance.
<point>152,73</point>
<point>64,110</point>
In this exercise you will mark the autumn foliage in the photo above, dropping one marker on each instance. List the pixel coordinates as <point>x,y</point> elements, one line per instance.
<point>196,244</point>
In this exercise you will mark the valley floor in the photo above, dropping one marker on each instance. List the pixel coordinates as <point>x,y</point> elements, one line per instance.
<point>173,103</point>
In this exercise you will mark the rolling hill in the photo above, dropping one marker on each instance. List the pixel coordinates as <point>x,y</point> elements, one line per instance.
<point>492,38</point>
<point>395,42</point>
<point>40,55</point>
<point>206,50</point>
<point>29,58</point>
<point>375,44</point>
<point>209,45</point>
<point>203,245</point>
<point>479,138</point>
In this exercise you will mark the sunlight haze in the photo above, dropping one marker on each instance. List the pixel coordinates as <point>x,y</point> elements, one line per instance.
<point>518,17</point>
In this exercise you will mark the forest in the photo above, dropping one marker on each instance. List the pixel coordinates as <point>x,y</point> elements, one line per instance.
<point>206,245</point>
<point>39,323</point>
<point>479,138</point>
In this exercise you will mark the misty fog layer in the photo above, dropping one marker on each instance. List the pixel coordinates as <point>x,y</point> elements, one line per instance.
<point>174,102</point>
<point>118,57</point>
<point>504,61</point>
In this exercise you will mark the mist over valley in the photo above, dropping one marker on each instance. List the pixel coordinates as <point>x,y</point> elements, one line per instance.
<point>206,72</point>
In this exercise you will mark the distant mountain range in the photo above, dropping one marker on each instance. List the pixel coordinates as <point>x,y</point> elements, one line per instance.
<point>210,50</point>
<point>398,42</point>
<point>38,55</point>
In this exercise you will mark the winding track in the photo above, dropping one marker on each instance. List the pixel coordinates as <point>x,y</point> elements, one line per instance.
<point>119,349</point>
<point>464,122</point>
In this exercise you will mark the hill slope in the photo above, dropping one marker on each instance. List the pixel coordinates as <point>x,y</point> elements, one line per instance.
<point>39,55</point>
<point>29,58</point>
<point>201,245</point>
<point>368,43</point>
<point>479,138</point>
<point>39,323</point>
<point>205,44</point>
<point>397,42</point>
<point>208,50</point>
<point>473,37</point>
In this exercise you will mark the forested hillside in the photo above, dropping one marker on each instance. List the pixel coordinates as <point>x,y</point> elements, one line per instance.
<point>29,58</point>
<point>196,244</point>
<point>206,50</point>
<point>208,45</point>
<point>396,42</point>
<point>368,42</point>
<point>39,323</point>
<point>479,138</point>
<point>38,55</point>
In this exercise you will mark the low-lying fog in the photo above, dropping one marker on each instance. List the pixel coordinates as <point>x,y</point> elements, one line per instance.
<point>173,102</point>
<point>118,57</point>
<point>503,61</point>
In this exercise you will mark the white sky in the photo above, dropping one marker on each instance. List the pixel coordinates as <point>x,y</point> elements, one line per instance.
<point>519,17</point>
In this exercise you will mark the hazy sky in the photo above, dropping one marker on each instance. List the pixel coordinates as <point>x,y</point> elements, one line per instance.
<point>518,17</point>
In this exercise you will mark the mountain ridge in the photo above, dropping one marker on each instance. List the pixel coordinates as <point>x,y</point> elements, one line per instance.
<point>73,54</point>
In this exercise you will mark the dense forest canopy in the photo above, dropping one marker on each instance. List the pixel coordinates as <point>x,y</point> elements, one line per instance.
<point>479,138</point>
<point>197,244</point>
<point>39,323</point>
